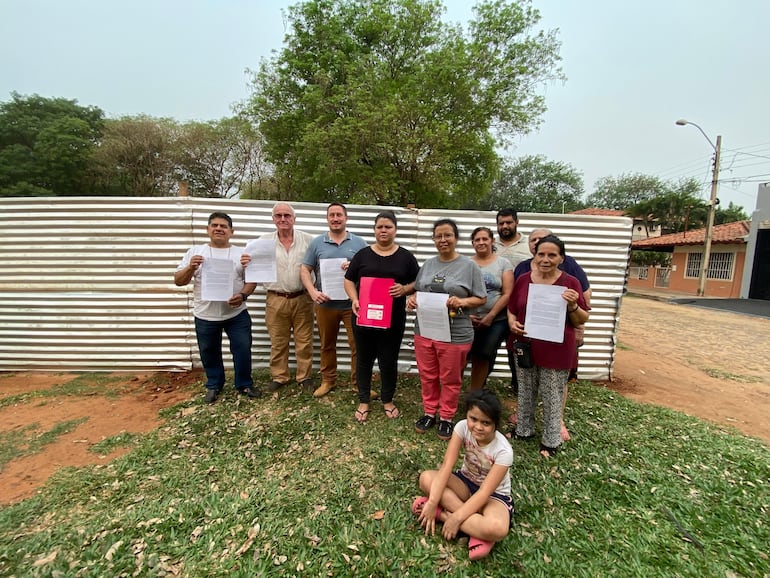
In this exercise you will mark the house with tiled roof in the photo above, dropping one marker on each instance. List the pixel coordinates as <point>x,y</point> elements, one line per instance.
<point>725,267</point>
<point>642,230</point>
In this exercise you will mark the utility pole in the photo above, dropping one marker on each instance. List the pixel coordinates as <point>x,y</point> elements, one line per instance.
<point>710,220</point>
<point>704,266</point>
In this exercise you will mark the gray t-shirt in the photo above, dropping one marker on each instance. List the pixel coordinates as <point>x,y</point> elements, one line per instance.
<point>460,277</point>
<point>493,280</point>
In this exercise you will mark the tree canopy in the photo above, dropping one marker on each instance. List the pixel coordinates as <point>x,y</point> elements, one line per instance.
<point>380,101</point>
<point>45,145</point>
<point>534,184</point>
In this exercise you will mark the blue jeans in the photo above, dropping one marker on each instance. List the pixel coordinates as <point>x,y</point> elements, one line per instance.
<point>209,334</point>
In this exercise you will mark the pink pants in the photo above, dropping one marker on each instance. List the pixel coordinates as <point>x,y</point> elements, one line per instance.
<point>441,367</point>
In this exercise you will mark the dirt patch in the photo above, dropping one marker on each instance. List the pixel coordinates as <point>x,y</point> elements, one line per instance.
<point>129,406</point>
<point>706,363</point>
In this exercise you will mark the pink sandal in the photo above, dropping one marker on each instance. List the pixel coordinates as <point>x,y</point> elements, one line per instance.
<point>419,503</point>
<point>478,548</point>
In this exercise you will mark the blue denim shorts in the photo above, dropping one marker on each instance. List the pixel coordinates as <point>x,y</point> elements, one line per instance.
<point>473,488</point>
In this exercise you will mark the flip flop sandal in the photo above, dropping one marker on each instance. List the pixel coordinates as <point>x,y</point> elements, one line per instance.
<point>547,452</point>
<point>419,503</point>
<point>478,548</point>
<point>392,413</point>
<point>362,416</point>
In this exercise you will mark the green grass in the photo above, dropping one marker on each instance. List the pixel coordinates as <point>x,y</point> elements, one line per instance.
<point>292,486</point>
<point>25,441</point>
<point>121,440</point>
<point>83,384</point>
<point>719,374</point>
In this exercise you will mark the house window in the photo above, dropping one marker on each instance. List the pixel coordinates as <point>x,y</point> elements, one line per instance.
<point>720,266</point>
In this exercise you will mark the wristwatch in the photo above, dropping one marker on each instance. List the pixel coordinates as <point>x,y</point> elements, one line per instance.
<point>244,296</point>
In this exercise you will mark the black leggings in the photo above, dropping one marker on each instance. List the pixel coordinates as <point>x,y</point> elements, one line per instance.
<point>384,346</point>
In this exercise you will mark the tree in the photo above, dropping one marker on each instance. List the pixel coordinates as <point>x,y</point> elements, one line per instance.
<point>45,145</point>
<point>731,214</point>
<point>533,184</point>
<point>625,191</point>
<point>220,158</point>
<point>136,157</point>
<point>381,102</point>
<point>677,208</point>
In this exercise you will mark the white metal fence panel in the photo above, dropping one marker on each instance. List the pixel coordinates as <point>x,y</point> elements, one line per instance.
<point>87,282</point>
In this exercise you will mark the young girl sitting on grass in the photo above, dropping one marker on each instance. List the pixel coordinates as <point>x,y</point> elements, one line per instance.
<point>476,499</point>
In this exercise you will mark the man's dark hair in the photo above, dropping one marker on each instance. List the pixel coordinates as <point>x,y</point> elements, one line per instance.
<point>343,207</point>
<point>221,215</point>
<point>507,212</point>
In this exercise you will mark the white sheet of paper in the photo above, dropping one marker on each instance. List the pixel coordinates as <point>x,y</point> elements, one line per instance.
<point>333,278</point>
<point>217,279</point>
<point>433,316</point>
<point>262,267</point>
<point>546,311</point>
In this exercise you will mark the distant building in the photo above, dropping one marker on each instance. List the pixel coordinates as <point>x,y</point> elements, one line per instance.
<point>725,268</point>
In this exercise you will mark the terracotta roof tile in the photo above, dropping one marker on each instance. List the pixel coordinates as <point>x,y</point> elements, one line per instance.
<point>729,233</point>
<point>601,212</point>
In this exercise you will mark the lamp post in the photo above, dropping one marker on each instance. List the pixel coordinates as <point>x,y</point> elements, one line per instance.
<point>712,207</point>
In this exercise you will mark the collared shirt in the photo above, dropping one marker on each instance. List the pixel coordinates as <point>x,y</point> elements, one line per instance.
<point>287,262</point>
<point>515,252</point>
<point>324,247</point>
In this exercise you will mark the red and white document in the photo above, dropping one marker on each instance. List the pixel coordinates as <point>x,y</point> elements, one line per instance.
<point>375,302</point>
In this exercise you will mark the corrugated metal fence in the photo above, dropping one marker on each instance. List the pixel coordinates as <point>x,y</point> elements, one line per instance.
<point>86,283</point>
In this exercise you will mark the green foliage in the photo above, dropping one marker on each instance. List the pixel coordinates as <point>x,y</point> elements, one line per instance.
<point>731,214</point>
<point>650,259</point>
<point>45,145</point>
<point>383,103</point>
<point>147,156</point>
<point>677,208</point>
<point>533,184</point>
<point>135,157</point>
<point>220,158</point>
<point>292,486</point>
<point>625,191</point>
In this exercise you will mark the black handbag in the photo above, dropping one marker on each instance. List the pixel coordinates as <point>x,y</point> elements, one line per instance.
<point>522,351</point>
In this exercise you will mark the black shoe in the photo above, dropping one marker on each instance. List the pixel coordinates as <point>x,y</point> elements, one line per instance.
<point>307,384</point>
<point>274,386</point>
<point>424,423</point>
<point>211,395</point>
<point>445,429</point>
<point>253,392</point>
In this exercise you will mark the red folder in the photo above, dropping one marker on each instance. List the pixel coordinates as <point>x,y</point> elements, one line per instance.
<point>375,303</point>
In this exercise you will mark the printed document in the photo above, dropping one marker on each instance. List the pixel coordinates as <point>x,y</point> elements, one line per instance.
<point>262,267</point>
<point>546,312</point>
<point>333,278</point>
<point>217,279</point>
<point>433,316</point>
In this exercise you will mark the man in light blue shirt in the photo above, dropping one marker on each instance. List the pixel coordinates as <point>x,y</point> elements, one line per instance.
<point>338,243</point>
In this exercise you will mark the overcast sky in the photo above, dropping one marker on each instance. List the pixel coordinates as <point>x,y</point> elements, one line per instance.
<point>633,69</point>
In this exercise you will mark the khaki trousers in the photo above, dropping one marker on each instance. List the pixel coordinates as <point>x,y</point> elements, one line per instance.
<point>282,317</point>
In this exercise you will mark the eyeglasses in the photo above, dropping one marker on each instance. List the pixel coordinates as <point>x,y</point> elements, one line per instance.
<point>444,237</point>
<point>283,216</point>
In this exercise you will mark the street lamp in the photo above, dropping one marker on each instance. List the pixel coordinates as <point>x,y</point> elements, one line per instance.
<point>712,206</point>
